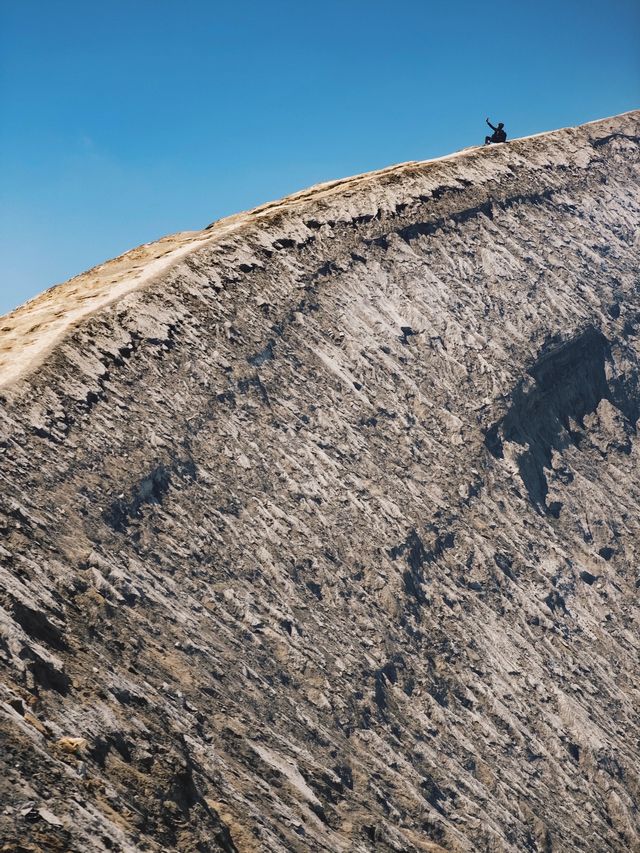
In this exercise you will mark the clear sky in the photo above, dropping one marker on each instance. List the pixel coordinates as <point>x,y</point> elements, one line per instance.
<point>125,120</point>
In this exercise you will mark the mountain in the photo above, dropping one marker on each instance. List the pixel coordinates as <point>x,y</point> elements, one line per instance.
<point>320,526</point>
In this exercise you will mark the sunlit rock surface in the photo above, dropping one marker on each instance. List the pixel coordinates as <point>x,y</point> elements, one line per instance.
<point>320,527</point>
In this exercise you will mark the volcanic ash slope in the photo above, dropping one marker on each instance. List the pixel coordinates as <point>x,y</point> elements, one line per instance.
<point>320,527</point>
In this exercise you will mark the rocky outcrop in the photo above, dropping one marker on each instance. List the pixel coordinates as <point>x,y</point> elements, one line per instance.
<point>320,528</point>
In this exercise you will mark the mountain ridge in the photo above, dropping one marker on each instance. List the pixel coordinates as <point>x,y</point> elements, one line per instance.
<point>166,251</point>
<point>326,538</point>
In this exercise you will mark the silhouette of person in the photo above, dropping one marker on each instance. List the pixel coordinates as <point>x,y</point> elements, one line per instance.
<point>499,134</point>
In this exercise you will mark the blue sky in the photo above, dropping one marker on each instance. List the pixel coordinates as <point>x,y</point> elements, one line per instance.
<point>124,121</point>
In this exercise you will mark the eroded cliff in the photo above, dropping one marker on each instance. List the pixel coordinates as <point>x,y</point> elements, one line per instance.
<point>320,526</point>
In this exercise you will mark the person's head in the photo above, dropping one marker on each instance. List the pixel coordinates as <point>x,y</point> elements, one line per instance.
<point>500,124</point>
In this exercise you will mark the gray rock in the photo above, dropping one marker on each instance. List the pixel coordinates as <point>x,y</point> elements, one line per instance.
<point>323,521</point>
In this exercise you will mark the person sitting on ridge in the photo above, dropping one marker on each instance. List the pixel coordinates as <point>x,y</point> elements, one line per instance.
<point>498,135</point>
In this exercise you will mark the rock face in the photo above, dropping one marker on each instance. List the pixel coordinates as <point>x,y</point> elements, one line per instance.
<point>320,527</point>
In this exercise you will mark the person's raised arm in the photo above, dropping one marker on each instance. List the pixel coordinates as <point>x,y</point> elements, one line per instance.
<point>491,126</point>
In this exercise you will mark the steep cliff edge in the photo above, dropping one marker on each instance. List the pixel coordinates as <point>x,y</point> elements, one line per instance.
<point>320,526</point>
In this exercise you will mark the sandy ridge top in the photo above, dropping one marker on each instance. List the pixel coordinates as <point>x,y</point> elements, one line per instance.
<point>32,330</point>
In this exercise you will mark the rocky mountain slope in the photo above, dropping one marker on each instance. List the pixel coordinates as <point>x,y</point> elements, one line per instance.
<point>320,527</point>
